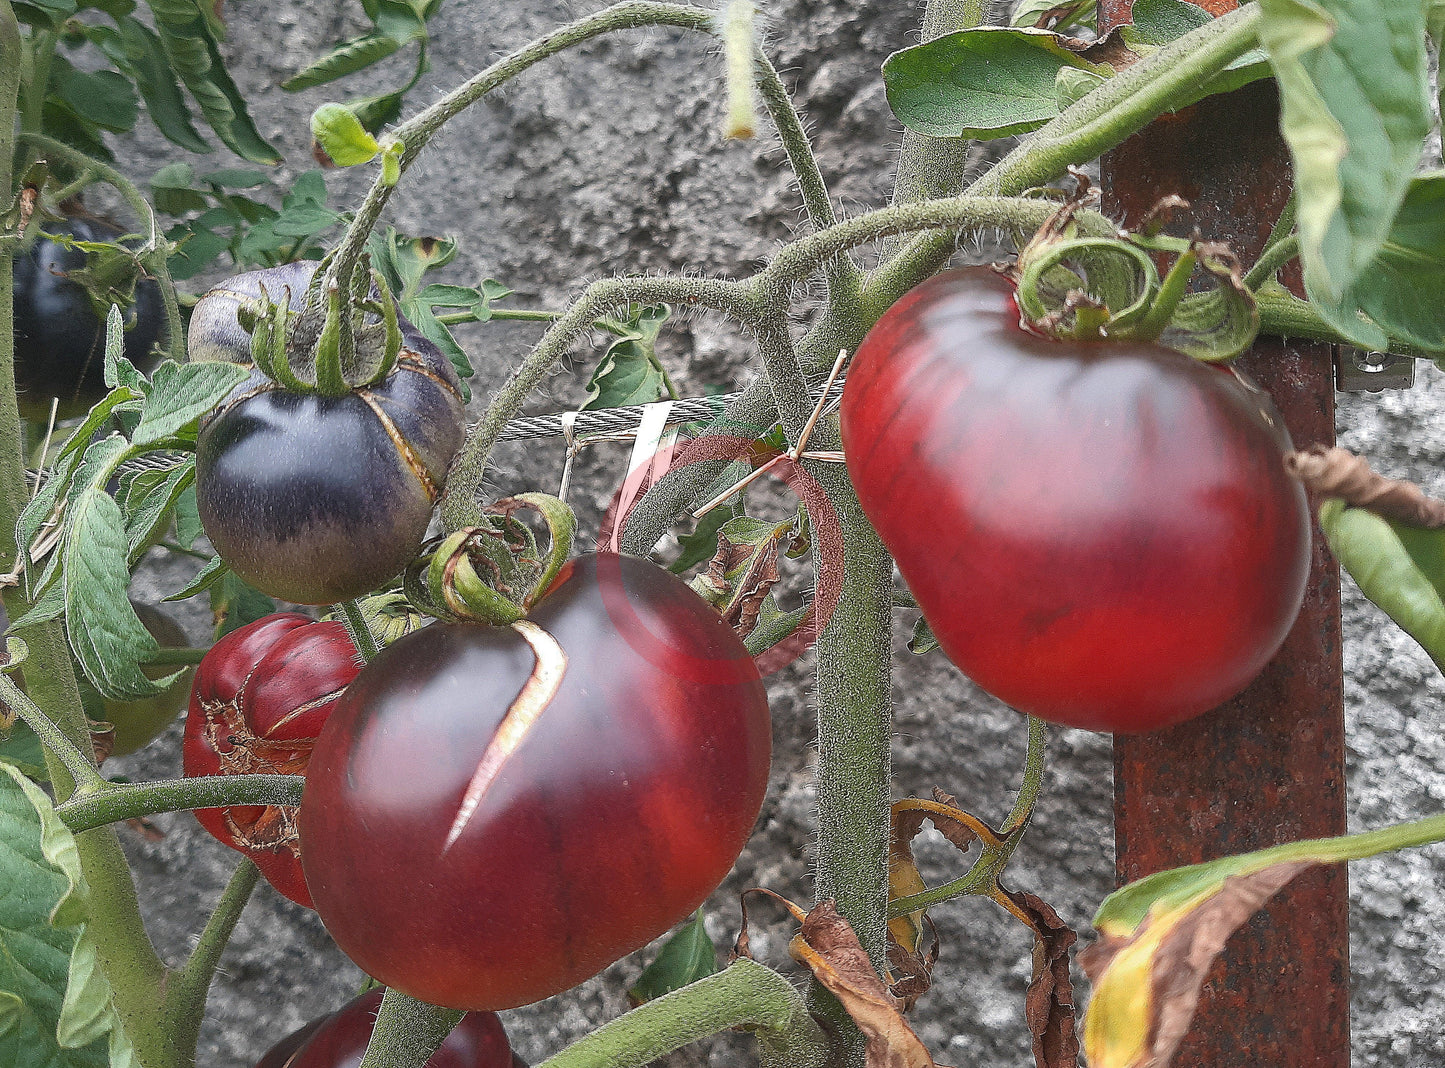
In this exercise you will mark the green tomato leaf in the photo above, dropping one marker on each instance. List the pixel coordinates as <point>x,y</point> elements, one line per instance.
<point>1355,111</point>
<point>346,58</point>
<point>341,136</point>
<point>56,1004</point>
<point>1158,22</point>
<point>183,392</point>
<point>188,519</point>
<point>158,86</point>
<point>188,32</point>
<point>235,178</point>
<point>700,546</point>
<point>1058,14</point>
<point>147,499</point>
<point>20,746</point>
<point>47,14</point>
<point>922,640</point>
<point>108,639</point>
<point>234,603</point>
<point>982,83</point>
<point>686,957</point>
<point>1400,293</point>
<point>1400,568</point>
<point>206,578</point>
<point>374,112</point>
<point>399,21</point>
<point>438,333</point>
<point>104,98</point>
<point>629,372</point>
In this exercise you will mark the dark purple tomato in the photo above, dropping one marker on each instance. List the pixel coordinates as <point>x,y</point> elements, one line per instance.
<point>1100,534</point>
<point>339,1040</point>
<point>317,499</point>
<point>260,698</point>
<point>59,339</point>
<point>482,832</point>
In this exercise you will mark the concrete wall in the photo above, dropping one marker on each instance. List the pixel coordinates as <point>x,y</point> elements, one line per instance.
<point>609,160</point>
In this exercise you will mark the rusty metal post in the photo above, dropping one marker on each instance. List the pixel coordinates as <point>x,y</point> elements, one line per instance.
<point>1268,767</point>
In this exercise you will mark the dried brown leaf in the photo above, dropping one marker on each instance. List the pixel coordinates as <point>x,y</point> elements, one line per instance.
<point>830,949</point>
<point>1334,472</point>
<point>913,970</point>
<point>1049,1003</point>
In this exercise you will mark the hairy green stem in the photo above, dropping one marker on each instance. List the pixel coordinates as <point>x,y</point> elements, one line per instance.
<point>745,994</point>
<point>983,875</point>
<point>185,998</point>
<point>1085,130</point>
<point>125,952</point>
<point>127,801</point>
<point>153,254</point>
<point>1282,314</point>
<point>460,503</point>
<point>416,132</point>
<point>407,1032</point>
<point>81,767</point>
<point>1271,260</point>
<point>358,630</point>
<point>933,167</point>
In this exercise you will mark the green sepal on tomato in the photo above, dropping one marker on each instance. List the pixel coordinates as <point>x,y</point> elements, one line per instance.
<point>261,696</point>
<point>1100,534</point>
<point>493,814</point>
<point>311,497</point>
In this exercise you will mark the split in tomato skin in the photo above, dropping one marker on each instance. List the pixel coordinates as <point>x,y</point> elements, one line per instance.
<point>59,339</point>
<point>624,804</point>
<point>338,1040</point>
<point>1100,534</point>
<point>317,499</point>
<point>261,696</point>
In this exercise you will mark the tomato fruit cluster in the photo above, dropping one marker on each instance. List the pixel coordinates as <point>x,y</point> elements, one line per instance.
<point>338,1040</point>
<point>59,339</point>
<point>260,698</point>
<point>1100,534</point>
<point>314,498</point>
<point>540,800</point>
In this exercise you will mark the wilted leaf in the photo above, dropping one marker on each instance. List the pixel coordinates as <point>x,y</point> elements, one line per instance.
<point>1049,1003</point>
<point>830,949</point>
<point>745,569</point>
<point>1159,935</point>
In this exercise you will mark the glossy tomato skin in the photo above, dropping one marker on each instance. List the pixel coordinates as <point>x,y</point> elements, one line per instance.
<point>339,1040</point>
<point>318,499</point>
<point>59,339</point>
<point>1102,535</point>
<point>261,696</point>
<point>624,805</point>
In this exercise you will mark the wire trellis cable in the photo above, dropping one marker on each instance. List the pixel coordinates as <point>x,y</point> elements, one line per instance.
<point>613,423</point>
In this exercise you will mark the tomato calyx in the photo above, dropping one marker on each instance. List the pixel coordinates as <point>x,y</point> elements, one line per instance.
<point>1086,288</point>
<point>356,344</point>
<point>493,574</point>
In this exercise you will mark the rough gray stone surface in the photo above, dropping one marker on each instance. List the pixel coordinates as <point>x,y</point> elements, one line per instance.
<point>609,160</point>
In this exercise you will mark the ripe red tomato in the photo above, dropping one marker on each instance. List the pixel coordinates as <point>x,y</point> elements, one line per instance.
<point>338,1040</point>
<point>484,826</point>
<point>260,697</point>
<point>1102,535</point>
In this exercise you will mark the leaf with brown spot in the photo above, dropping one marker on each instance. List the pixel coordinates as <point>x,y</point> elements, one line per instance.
<point>745,569</point>
<point>1049,1003</point>
<point>830,949</point>
<point>913,969</point>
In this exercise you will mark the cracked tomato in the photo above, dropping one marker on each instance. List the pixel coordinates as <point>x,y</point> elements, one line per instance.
<point>260,698</point>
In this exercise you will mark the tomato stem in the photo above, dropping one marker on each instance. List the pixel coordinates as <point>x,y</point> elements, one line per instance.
<point>354,619</point>
<point>744,994</point>
<point>113,802</point>
<point>407,1032</point>
<point>185,997</point>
